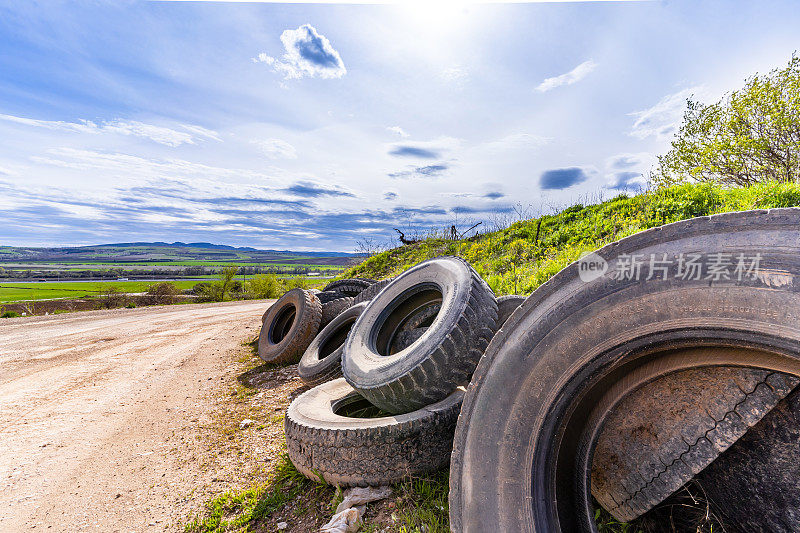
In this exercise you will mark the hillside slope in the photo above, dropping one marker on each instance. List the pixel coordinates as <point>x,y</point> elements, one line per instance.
<point>521,257</point>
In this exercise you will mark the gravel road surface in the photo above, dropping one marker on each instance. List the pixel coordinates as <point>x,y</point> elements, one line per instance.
<point>99,410</point>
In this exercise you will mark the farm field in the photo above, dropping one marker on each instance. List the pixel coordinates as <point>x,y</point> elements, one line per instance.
<point>15,292</point>
<point>83,265</point>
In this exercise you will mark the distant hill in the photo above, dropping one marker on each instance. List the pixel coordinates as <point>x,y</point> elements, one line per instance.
<point>156,252</point>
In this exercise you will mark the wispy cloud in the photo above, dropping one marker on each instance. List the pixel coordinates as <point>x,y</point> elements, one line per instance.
<point>313,190</point>
<point>413,151</point>
<point>276,149</point>
<point>573,76</point>
<point>307,54</point>
<point>627,171</point>
<point>662,120</point>
<point>626,180</point>
<point>397,130</point>
<point>187,134</point>
<point>428,171</point>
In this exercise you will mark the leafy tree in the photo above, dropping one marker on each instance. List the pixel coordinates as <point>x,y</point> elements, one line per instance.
<point>751,135</point>
<point>226,276</point>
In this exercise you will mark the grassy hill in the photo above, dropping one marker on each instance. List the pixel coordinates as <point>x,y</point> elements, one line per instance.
<point>521,257</point>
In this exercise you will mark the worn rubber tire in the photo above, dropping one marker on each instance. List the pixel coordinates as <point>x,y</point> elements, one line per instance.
<point>516,465</point>
<point>755,481</point>
<point>332,309</point>
<point>349,287</point>
<point>372,291</point>
<point>328,296</point>
<point>443,358</point>
<point>658,433</point>
<point>507,305</point>
<point>322,360</point>
<point>289,326</point>
<point>349,451</point>
<point>406,338</point>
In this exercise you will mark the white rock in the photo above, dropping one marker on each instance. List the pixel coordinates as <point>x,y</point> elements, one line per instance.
<point>245,423</point>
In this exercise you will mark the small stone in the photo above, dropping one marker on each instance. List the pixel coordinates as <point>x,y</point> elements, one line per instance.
<point>282,525</point>
<point>245,423</point>
<point>118,496</point>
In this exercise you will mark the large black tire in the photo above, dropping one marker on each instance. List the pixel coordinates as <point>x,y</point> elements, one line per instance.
<point>507,305</point>
<point>755,482</point>
<point>372,291</point>
<point>322,360</point>
<point>517,464</point>
<point>289,326</point>
<point>349,287</point>
<point>350,451</point>
<point>327,296</point>
<point>332,309</point>
<point>443,358</point>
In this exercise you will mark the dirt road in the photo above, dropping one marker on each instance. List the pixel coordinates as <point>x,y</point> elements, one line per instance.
<point>99,413</point>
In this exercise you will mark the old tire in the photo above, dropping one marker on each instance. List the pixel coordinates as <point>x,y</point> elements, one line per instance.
<point>654,435</point>
<point>372,291</point>
<point>507,305</point>
<point>328,296</point>
<point>289,326</point>
<point>755,481</point>
<point>349,287</point>
<point>443,358</point>
<point>332,309</point>
<point>322,360</point>
<point>516,463</point>
<point>350,451</point>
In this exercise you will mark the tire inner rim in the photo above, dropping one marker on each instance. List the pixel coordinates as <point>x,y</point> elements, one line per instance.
<point>337,338</point>
<point>416,307</point>
<point>356,406</point>
<point>564,452</point>
<point>282,324</point>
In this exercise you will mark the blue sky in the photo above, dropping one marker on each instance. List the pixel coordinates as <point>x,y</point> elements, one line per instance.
<point>310,127</point>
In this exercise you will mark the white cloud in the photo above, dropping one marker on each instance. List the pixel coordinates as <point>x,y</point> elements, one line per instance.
<point>276,149</point>
<point>308,54</point>
<point>573,76</point>
<point>158,134</point>
<point>662,120</point>
<point>627,171</point>
<point>397,130</point>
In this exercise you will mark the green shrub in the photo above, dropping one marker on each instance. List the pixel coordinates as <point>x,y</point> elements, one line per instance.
<point>162,293</point>
<point>264,286</point>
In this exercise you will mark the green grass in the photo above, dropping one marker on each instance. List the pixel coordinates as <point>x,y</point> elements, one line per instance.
<point>14,292</point>
<point>517,259</point>
<point>420,504</point>
<point>240,510</point>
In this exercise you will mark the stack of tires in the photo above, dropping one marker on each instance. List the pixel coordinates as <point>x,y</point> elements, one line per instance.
<point>406,348</point>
